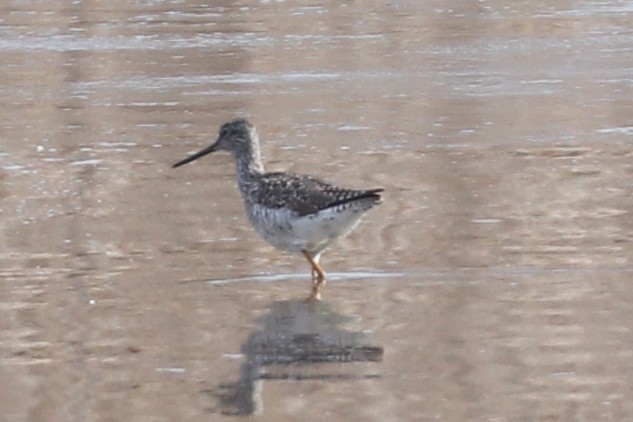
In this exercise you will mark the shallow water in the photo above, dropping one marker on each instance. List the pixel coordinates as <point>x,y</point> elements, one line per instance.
<point>493,283</point>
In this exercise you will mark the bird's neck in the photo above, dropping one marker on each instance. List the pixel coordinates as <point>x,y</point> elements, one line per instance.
<point>249,160</point>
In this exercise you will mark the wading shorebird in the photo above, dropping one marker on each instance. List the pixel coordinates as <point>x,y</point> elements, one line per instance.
<point>296,213</point>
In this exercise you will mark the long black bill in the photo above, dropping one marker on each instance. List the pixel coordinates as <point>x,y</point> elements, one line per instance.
<point>195,156</point>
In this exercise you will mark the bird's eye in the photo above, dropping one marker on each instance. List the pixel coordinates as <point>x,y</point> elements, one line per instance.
<point>223,132</point>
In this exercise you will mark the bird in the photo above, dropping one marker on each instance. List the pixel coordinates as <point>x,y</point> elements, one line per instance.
<point>292,212</point>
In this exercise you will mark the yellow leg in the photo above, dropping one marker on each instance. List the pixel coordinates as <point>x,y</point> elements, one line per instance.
<point>318,277</point>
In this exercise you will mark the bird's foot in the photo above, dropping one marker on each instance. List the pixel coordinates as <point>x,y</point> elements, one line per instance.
<point>318,277</point>
<point>317,282</point>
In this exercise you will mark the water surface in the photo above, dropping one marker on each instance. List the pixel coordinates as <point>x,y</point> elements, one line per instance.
<point>495,279</point>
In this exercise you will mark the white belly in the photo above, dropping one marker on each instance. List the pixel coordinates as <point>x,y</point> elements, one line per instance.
<point>287,231</point>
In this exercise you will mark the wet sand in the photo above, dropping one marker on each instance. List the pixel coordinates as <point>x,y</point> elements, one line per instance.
<point>493,283</point>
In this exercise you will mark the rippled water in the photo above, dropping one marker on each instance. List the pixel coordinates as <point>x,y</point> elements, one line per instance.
<point>493,283</point>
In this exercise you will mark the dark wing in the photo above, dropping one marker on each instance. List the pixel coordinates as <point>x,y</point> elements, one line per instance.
<point>305,194</point>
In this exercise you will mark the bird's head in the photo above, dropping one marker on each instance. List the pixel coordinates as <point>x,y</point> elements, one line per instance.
<point>234,136</point>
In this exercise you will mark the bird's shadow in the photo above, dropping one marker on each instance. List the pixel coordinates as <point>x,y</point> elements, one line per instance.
<point>296,341</point>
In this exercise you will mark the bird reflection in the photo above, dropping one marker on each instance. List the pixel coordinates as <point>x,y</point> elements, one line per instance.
<point>296,342</point>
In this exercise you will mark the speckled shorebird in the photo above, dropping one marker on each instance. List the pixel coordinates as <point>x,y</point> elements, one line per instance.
<point>292,212</point>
